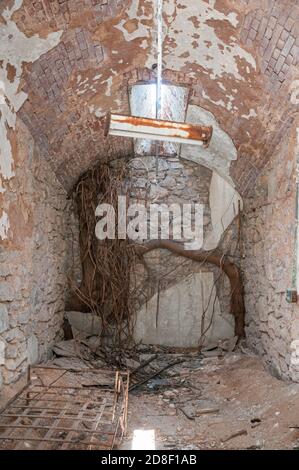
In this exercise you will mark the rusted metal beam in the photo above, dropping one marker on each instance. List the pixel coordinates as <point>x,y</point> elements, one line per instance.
<point>157,129</point>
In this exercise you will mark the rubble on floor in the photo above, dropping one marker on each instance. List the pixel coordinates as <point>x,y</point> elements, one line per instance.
<point>221,398</point>
<point>224,402</point>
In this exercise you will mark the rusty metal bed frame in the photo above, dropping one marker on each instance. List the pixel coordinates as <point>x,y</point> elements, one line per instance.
<point>66,413</point>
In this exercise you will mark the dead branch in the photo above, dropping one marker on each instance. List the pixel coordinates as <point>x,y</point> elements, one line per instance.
<point>152,376</point>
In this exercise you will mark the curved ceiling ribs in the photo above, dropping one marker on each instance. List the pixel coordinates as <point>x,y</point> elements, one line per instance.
<point>240,59</point>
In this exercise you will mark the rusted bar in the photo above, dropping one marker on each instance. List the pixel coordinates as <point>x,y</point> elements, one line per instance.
<point>44,417</point>
<point>61,441</point>
<point>157,129</point>
<point>72,410</point>
<point>57,401</point>
<point>13,399</point>
<point>77,402</point>
<point>107,371</point>
<point>23,426</point>
<point>62,392</point>
<point>72,388</point>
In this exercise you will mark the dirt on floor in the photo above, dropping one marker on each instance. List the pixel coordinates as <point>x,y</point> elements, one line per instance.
<point>230,402</point>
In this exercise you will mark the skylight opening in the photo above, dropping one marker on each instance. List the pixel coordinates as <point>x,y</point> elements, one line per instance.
<point>143,103</point>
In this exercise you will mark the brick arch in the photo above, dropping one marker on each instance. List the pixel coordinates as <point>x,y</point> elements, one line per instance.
<point>65,97</point>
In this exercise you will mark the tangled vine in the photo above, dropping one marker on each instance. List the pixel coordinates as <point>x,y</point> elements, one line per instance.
<point>108,288</point>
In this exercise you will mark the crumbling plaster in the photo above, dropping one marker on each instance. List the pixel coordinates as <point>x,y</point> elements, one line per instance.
<point>15,49</point>
<point>4,225</point>
<point>226,204</point>
<point>221,151</point>
<point>187,24</point>
<point>224,199</point>
<point>106,47</point>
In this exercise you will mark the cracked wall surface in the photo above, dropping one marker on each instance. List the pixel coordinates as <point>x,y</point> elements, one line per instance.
<point>269,259</point>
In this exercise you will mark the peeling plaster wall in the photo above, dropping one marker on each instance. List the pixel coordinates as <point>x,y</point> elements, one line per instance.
<point>221,151</point>
<point>269,259</point>
<point>188,24</point>
<point>202,39</point>
<point>15,50</point>
<point>239,58</point>
<point>182,181</point>
<point>35,259</point>
<point>224,199</point>
<point>4,225</point>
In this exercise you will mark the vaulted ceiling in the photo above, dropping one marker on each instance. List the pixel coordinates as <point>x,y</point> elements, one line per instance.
<point>68,62</point>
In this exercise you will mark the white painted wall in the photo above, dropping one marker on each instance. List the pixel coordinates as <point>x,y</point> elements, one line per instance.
<point>180,314</point>
<point>221,151</point>
<point>224,208</point>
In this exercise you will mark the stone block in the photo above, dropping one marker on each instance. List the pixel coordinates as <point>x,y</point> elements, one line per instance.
<point>4,323</point>
<point>295,361</point>
<point>14,334</point>
<point>22,318</point>
<point>5,270</point>
<point>2,352</point>
<point>6,292</point>
<point>11,351</point>
<point>32,349</point>
<point>13,364</point>
<point>169,182</point>
<point>295,330</point>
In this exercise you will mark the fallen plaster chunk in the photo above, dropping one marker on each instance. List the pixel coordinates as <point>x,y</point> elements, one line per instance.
<point>84,322</point>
